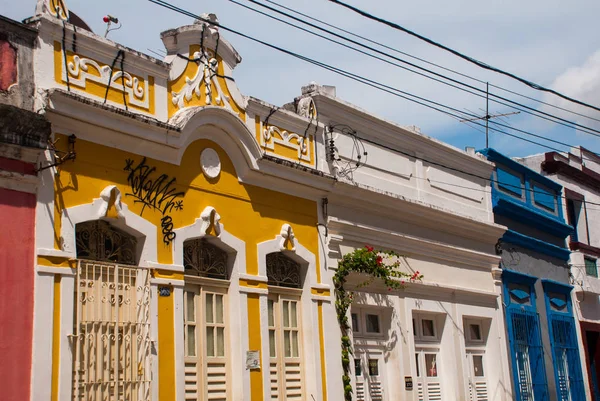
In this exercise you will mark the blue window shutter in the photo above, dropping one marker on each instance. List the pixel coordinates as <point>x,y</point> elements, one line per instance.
<point>509,182</point>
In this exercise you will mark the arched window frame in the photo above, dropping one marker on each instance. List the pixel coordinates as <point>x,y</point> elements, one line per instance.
<point>100,241</point>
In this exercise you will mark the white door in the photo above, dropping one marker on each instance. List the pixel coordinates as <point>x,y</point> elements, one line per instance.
<point>285,347</point>
<point>206,352</point>
<point>369,375</point>
<point>429,386</point>
<point>477,380</point>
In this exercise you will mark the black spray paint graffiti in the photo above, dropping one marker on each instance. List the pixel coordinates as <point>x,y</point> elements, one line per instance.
<point>155,192</point>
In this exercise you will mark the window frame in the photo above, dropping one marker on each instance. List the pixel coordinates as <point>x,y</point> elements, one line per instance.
<point>419,336</point>
<point>468,338</point>
<point>588,259</point>
<point>201,286</point>
<point>537,188</point>
<point>278,295</point>
<point>362,312</point>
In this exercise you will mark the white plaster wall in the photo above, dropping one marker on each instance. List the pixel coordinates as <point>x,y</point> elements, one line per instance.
<point>398,344</point>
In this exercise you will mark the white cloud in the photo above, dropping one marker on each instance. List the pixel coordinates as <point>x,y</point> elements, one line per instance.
<point>581,83</point>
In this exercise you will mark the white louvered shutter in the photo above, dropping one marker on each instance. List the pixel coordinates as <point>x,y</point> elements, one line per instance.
<point>206,358</point>
<point>285,368</point>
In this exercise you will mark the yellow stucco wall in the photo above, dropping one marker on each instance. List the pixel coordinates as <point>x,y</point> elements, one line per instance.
<point>250,213</point>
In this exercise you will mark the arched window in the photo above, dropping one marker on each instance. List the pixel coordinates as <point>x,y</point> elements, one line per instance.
<point>283,271</point>
<point>100,241</point>
<point>201,258</point>
<point>205,317</point>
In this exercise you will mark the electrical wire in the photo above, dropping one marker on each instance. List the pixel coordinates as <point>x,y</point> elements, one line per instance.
<point>365,81</point>
<point>464,57</point>
<point>394,91</point>
<point>482,93</point>
<point>424,60</point>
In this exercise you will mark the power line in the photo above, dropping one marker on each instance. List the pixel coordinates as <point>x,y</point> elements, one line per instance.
<point>464,57</point>
<point>523,108</point>
<point>366,82</point>
<point>394,91</point>
<point>424,60</point>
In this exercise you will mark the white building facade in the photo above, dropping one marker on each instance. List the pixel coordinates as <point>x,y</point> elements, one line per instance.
<point>439,339</point>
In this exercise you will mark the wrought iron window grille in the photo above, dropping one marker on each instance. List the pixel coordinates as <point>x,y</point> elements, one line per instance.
<point>98,240</point>
<point>283,271</point>
<point>203,259</point>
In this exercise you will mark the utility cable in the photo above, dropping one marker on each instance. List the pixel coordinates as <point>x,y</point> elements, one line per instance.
<point>424,60</point>
<point>366,81</point>
<point>400,66</point>
<point>349,75</point>
<point>464,57</point>
<point>483,93</point>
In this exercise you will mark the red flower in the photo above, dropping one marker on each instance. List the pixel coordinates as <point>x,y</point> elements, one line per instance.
<point>389,288</point>
<point>369,248</point>
<point>418,272</point>
<point>379,260</point>
<point>402,282</point>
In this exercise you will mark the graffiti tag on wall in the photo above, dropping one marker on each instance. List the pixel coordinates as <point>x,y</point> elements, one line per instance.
<point>156,192</point>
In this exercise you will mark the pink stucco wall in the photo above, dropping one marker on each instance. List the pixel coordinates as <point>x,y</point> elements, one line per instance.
<point>17,219</point>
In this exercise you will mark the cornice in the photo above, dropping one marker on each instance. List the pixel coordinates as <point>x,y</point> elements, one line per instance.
<point>505,206</point>
<point>372,201</point>
<point>282,117</point>
<point>427,290</point>
<point>584,248</point>
<point>393,134</point>
<point>412,245</point>
<point>96,44</point>
<point>555,164</point>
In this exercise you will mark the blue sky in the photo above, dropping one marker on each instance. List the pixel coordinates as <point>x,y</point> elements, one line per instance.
<point>553,43</point>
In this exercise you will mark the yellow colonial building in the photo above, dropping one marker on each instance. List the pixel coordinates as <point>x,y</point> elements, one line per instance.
<point>177,232</point>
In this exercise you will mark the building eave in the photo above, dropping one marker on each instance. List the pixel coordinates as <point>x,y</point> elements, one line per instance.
<point>404,138</point>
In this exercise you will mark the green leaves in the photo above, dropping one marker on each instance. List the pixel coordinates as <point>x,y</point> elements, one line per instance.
<point>378,264</point>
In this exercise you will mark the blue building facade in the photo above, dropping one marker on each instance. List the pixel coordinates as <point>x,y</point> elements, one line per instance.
<point>543,340</point>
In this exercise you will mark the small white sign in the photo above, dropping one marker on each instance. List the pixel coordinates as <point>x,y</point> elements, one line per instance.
<point>252,360</point>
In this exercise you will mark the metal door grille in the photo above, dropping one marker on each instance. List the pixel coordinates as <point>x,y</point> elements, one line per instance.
<point>528,356</point>
<point>112,333</point>
<point>566,359</point>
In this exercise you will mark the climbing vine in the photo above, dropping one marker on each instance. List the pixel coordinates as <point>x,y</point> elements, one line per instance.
<point>377,264</point>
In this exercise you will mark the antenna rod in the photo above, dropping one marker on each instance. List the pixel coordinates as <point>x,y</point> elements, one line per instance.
<point>487,113</point>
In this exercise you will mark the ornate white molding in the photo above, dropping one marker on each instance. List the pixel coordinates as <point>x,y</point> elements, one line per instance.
<point>287,234</point>
<point>272,135</point>
<point>206,77</point>
<point>79,73</point>
<point>56,8</point>
<point>210,163</point>
<point>209,216</point>
<point>129,221</point>
<point>105,196</point>
<point>307,108</point>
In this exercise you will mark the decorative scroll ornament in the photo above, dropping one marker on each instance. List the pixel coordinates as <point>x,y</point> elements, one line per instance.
<point>100,241</point>
<point>283,271</point>
<point>272,135</point>
<point>201,258</point>
<point>79,73</point>
<point>210,163</point>
<point>106,195</point>
<point>206,77</point>
<point>307,108</point>
<point>56,8</point>
<point>287,235</point>
<point>210,217</point>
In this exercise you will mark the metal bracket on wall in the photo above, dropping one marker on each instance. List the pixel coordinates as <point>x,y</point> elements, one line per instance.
<point>60,156</point>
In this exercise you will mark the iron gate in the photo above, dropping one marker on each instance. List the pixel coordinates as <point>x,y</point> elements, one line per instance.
<point>566,359</point>
<point>528,355</point>
<point>111,346</point>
